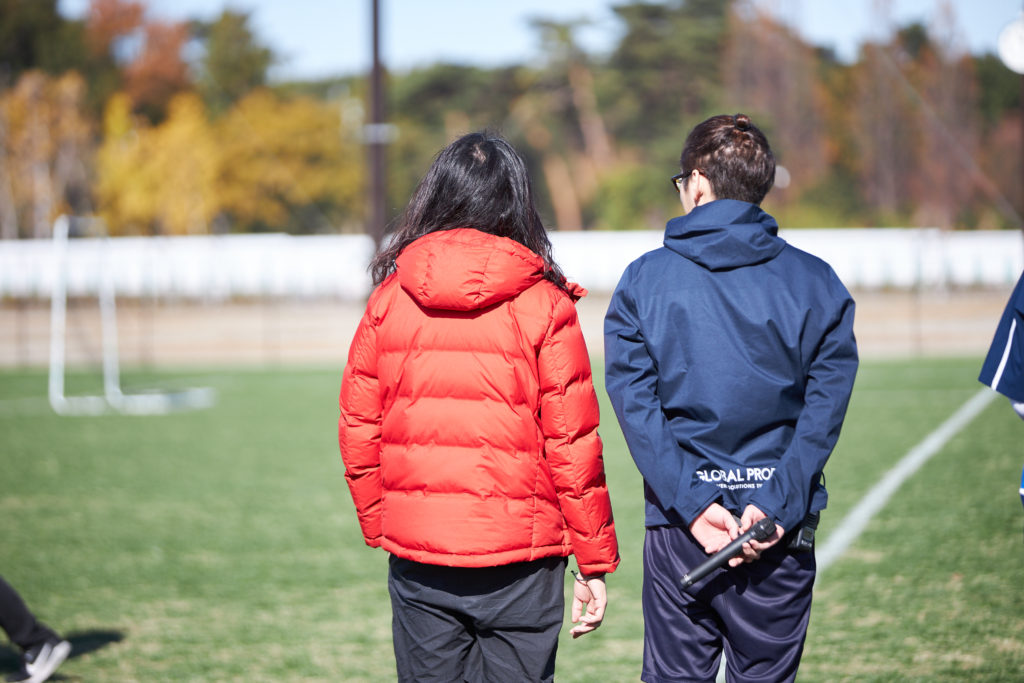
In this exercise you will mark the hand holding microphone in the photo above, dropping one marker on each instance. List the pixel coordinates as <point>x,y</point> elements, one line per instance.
<point>761,530</point>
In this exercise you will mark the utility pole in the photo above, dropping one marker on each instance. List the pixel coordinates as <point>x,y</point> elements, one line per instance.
<point>377,134</point>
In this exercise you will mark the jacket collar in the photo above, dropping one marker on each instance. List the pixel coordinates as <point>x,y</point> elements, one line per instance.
<point>725,234</point>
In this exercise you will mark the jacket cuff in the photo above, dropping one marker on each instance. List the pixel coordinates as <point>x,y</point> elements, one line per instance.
<point>596,569</point>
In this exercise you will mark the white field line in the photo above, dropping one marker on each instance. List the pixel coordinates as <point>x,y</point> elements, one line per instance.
<point>851,526</point>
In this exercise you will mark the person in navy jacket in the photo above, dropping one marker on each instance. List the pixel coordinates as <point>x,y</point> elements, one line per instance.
<point>1003,369</point>
<point>730,359</point>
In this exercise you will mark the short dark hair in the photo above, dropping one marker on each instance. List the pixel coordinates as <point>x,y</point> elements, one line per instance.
<point>478,181</point>
<point>733,154</point>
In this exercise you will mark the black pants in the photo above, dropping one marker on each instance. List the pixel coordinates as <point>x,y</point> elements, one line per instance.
<point>20,624</point>
<point>476,624</point>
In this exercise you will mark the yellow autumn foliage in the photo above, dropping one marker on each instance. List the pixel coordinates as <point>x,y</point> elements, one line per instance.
<point>158,178</point>
<point>44,151</point>
<point>280,154</point>
<point>257,166</point>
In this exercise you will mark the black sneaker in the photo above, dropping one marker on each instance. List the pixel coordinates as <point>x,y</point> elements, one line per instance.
<point>41,661</point>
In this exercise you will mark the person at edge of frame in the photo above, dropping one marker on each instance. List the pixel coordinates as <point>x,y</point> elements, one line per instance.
<point>730,359</point>
<point>1003,369</point>
<point>468,429</point>
<point>42,649</point>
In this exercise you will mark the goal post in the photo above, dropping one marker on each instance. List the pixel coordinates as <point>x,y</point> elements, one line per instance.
<point>156,402</point>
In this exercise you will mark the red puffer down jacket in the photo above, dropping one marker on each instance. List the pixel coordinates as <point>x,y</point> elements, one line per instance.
<point>468,417</point>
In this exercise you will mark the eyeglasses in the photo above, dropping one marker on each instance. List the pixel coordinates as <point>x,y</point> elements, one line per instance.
<point>677,179</point>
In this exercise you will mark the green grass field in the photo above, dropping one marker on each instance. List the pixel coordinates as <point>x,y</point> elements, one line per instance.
<point>222,545</point>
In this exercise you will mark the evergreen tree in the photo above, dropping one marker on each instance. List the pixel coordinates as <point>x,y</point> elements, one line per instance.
<point>234,62</point>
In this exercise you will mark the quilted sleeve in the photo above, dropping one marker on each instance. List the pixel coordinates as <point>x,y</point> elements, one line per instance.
<point>569,419</point>
<point>359,429</point>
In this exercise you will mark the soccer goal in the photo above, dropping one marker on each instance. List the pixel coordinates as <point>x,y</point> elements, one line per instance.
<point>113,399</point>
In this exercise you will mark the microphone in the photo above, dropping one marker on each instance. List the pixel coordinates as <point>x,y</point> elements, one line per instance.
<point>760,531</point>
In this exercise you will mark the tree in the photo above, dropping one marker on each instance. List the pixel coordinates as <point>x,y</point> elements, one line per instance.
<point>662,77</point>
<point>8,210</point>
<point>434,104</point>
<point>267,164</point>
<point>287,165</point>
<point>769,74</point>
<point>74,138</point>
<point>107,27</point>
<point>132,54</point>
<point>917,132</point>
<point>999,90</point>
<point>159,72</point>
<point>884,132</point>
<point>562,121</point>
<point>44,147</point>
<point>666,67</point>
<point>31,33</point>
<point>109,21</point>
<point>567,60</point>
<point>234,62</point>
<point>157,179</point>
<point>942,86</point>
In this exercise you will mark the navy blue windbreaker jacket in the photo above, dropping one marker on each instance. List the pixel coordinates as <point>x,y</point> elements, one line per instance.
<point>1003,369</point>
<point>730,358</point>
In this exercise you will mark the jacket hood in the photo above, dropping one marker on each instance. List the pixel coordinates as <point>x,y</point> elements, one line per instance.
<point>725,234</point>
<point>466,269</point>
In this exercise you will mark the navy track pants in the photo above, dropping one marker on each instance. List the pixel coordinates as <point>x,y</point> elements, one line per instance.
<point>757,613</point>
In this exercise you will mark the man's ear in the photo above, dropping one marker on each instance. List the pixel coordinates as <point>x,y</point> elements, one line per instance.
<point>697,186</point>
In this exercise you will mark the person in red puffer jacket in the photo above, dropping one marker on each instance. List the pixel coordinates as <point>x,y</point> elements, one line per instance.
<point>468,428</point>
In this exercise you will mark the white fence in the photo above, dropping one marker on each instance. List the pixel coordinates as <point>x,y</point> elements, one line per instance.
<point>215,268</point>
<point>867,259</point>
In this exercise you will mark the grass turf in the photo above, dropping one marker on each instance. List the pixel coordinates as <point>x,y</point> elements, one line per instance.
<point>222,544</point>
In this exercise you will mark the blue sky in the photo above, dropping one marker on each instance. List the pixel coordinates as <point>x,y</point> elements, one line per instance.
<point>317,38</point>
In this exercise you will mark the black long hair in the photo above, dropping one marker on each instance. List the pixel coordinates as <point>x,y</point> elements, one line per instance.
<point>479,181</point>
